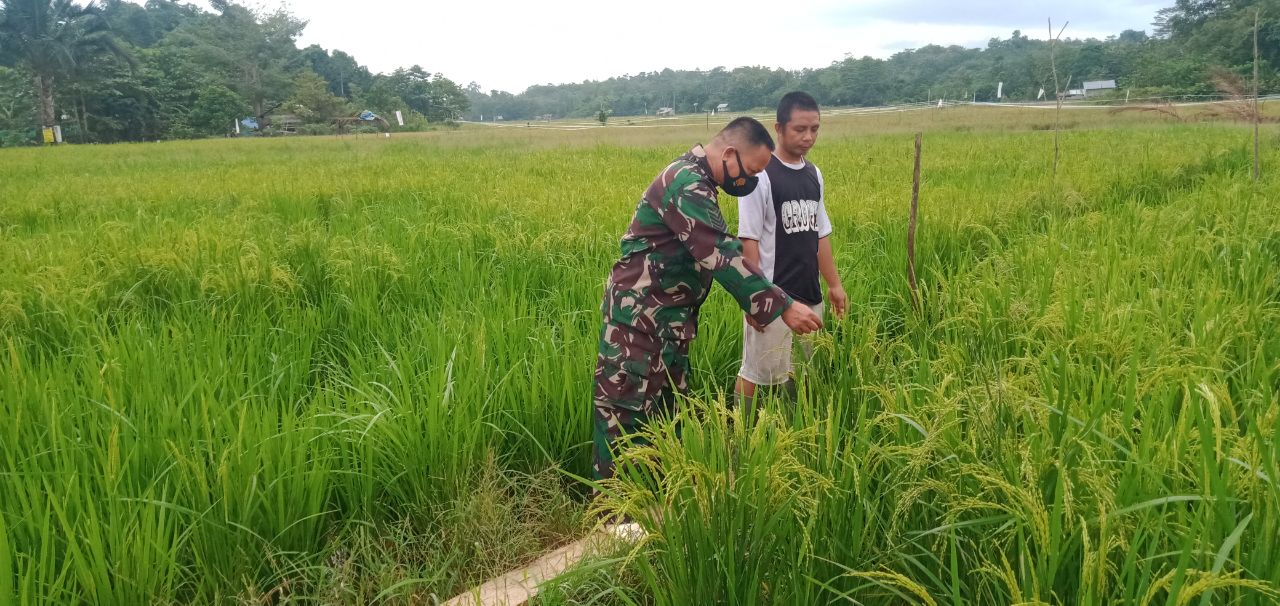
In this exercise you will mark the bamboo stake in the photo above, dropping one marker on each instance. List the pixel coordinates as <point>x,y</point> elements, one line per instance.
<point>1057,89</point>
<point>1257,117</point>
<point>911,229</point>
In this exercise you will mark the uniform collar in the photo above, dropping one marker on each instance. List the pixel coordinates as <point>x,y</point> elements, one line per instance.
<point>698,155</point>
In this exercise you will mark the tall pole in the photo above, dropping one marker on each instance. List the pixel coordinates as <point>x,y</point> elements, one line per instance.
<point>1257,164</point>
<point>1057,89</point>
<point>911,228</point>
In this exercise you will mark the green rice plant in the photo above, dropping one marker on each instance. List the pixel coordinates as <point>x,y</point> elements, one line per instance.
<point>357,371</point>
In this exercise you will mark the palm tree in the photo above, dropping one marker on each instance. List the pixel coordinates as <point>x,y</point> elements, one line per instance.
<point>51,37</point>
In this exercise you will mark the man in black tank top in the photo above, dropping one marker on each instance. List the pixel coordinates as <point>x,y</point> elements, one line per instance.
<point>784,228</point>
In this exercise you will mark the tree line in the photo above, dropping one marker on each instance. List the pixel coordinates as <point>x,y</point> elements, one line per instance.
<point>117,71</point>
<point>1191,44</point>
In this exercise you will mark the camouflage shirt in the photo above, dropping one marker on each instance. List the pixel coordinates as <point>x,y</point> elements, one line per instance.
<point>676,244</point>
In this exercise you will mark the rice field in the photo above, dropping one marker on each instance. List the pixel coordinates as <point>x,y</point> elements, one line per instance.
<point>357,370</point>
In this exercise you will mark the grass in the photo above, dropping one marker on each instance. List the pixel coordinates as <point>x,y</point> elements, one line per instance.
<point>355,370</point>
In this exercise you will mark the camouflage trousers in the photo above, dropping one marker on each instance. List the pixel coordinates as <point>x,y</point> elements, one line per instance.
<point>638,377</point>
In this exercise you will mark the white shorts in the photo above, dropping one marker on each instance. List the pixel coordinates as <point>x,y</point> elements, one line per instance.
<point>767,356</point>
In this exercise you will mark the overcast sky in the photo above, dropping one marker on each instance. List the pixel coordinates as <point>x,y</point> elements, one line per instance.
<point>512,44</point>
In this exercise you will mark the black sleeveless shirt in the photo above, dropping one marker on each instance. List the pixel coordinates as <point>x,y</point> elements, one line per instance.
<point>795,194</point>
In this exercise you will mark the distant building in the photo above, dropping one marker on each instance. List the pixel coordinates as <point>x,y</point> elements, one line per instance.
<point>666,111</point>
<point>1098,85</point>
<point>284,123</point>
<point>723,107</point>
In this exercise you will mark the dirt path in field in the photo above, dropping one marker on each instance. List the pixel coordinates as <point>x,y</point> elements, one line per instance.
<point>518,586</point>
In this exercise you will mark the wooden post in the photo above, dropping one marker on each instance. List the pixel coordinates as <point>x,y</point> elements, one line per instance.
<point>911,229</point>
<point>1257,117</point>
<point>1057,90</point>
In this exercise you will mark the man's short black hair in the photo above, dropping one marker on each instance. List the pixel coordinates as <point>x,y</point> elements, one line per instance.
<point>793,100</point>
<point>749,131</point>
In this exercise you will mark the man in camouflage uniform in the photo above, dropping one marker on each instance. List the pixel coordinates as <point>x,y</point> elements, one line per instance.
<point>676,245</point>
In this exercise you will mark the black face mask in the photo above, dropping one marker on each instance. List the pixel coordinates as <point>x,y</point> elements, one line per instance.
<point>742,184</point>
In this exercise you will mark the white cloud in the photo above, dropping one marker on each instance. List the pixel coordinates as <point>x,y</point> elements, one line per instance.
<point>511,44</point>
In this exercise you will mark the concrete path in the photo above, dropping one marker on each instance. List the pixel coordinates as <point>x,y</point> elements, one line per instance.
<point>518,586</point>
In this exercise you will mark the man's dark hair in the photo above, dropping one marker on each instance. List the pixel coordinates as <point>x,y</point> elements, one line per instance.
<point>749,131</point>
<point>793,100</point>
